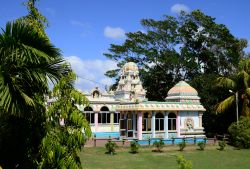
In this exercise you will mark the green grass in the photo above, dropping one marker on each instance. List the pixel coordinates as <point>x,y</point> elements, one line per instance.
<point>210,158</point>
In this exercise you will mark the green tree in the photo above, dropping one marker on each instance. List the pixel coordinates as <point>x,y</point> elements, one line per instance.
<point>62,142</point>
<point>28,62</point>
<point>239,83</point>
<point>190,47</point>
<point>34,18</point>
<point>181,48</point>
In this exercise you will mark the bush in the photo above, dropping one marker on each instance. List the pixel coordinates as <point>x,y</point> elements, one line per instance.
<point>110,147</point>
<point>182,145</point>
<point>240,134</point>
<point>183,163</point>
<point>134,147</point>
<point>222,145</point>
<point>159,145</point>
<point>201,145</point>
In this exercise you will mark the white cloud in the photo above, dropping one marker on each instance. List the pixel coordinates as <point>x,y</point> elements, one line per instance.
<point>177,8</point>
<point>114,33</point>
<point>91,72</point>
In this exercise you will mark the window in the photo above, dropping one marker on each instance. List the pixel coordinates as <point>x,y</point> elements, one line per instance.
<point>89,115</point>
<point>104,116</point>
<point>116,117</point>
<point>159,122</point>
<point>171,121</point>
<point>146,122</point>
<point>96,94</point>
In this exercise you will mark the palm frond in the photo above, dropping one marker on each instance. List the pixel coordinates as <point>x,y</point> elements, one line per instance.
<point>225,104</point>
<point>226,83</point>
<point>27,61</point>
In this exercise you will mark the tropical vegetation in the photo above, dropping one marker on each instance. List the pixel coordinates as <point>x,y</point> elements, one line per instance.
<point>67,128</point>
<point>28,62</point>
<point>31,136</point>
<point>240,133</point>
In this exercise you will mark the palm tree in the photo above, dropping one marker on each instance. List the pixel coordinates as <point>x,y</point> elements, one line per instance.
<point>27,62</point>
<point>239,83</point>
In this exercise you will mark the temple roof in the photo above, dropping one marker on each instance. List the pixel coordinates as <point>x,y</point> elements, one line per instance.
<point>182,88</point>
<point>183,92</point>
<point>130,66</point>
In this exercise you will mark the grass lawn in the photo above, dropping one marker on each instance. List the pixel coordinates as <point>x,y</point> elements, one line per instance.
<point>210,158</point>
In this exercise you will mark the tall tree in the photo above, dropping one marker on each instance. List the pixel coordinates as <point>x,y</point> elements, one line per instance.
<point>66,123</point>
<point>34,18</point>
<point>178,48</point>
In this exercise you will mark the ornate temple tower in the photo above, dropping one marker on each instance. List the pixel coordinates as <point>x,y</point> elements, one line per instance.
<point>129,87</point>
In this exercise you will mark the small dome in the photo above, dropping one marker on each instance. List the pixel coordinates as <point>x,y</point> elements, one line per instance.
<point>130,66</point>
<point>182,88</point>
<point>184,93</point>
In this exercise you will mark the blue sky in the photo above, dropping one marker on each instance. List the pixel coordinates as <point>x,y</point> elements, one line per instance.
<point>84,29</point>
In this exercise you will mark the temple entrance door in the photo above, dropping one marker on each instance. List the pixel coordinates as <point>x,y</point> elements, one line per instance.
<point>123,127</point>
<point>130,131</point>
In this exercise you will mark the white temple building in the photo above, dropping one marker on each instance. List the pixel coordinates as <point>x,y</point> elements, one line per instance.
<point>127,113</point>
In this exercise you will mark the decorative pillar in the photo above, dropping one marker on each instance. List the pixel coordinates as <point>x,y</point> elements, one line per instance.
<point>139,126</point>
<point>200,119</point>
<point>178,121</point>
<point>134,123</point>
<point>153,124</point>
<point>96,121</point>
<point>112,121</point>
<point>166,125</point>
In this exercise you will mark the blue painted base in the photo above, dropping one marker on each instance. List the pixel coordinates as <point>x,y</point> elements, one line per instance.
<point>106,134</point>
<point>171,141</point>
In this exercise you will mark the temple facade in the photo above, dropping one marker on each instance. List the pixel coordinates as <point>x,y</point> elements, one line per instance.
<point>126,113</point>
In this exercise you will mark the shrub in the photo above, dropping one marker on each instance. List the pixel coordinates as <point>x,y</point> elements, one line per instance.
<point>134,147</point>
<point>183,163</point>
<point>222,145</point>
<point>182,145</point>
<point>201,145</point>
<point>159,145</point>
<point>240,133</point>
<point>110,147</point>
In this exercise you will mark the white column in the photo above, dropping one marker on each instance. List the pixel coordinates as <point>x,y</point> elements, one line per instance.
<point>178,123</point>
<point>153,124</point>
<point>139,125</point>
<point>96,121</point>
<point>166,125</point>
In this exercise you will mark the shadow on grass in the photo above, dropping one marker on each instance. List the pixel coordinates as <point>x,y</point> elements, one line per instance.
<point>110,153</point>
<point>157,151</point>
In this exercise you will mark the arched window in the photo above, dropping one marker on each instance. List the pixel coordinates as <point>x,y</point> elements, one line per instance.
<point>89,114</point>
<point>88,108</point>
<point>171,121</point>
<point>96,94</point>
<point>159,121</point>
<point>104,115</point>
<point>104,108</point>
